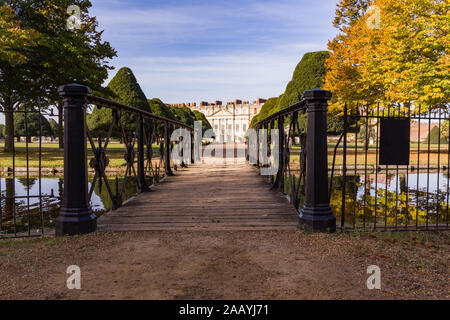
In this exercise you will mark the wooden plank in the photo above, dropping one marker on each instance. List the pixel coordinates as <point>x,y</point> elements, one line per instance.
<point>199,197</point>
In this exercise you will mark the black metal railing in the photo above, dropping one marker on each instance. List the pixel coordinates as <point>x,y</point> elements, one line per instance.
<point>138,130</point>
<point>394,168</point>
<point>103,166</point>
<point>304,181</point>
<point>372,176</point>
<point>28,207</point>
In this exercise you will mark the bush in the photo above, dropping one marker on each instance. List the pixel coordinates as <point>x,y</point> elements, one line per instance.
<point>434,136</point>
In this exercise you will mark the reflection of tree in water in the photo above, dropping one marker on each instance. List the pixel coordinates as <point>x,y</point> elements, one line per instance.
<point>405,207</point>
<point>18,216</point>
<point>27,183</point>
<point>115,183</point>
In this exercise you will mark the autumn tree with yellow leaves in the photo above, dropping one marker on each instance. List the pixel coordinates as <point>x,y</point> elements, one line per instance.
<point>390,51</point>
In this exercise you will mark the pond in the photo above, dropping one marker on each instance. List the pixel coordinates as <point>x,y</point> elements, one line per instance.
<point>392,199</point>
<point>380,199</point>
<point>21,209</point>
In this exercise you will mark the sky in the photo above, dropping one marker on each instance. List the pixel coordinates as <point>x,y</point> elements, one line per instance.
<point>198,50</point>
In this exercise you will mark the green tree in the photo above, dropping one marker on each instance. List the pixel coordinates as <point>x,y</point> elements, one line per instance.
<point>444,129</point>
<point>55,127</point>
<point>309,74</point>
<point>434,135</point>
<point>124,89</point>
<point>268,108</point>
<point>202,118</point>
<point>183,114</point>
<point>159,108</point>
<point>31,121</point>
<point>55,57</point>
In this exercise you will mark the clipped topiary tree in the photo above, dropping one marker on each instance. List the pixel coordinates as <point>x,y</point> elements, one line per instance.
<point>309,74</point>
<point>183,114</point>
<point>159,108</point>
<point>268,108</point>
<point>202,118</point>
<point>433,136</point>
<point>124,89</point>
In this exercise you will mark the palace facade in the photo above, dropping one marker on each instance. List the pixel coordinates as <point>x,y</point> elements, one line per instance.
<point>230,121</point>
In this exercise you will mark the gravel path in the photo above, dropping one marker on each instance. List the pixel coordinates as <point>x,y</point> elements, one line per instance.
<point>227,265</point>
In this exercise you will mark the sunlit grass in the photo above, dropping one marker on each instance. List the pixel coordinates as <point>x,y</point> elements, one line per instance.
<point>52,157</point>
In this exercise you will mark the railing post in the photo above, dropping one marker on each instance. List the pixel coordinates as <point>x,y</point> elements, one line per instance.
<point>279,182</point>
<point>167,150</point>
<point>75,216</point>
<point>316,215</point>
<point>143,187</point>
<point>192,134</point>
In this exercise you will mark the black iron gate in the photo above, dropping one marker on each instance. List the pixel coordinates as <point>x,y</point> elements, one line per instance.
<point>391,168</point>
<point>27,207</point>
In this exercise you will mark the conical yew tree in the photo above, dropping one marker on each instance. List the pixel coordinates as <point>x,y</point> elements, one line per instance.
<point>124,89</point>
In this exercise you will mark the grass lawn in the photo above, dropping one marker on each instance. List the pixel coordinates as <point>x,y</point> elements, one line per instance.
<point>372,159</point>
<point>52,157</point>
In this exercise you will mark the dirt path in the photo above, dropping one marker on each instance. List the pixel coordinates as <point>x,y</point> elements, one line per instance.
<point>226,265</point>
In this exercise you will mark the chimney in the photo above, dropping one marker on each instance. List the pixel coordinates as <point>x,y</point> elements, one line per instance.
<point>218,103</point>
<point>261,100</point>
<point>193,104</point>
<point>203,104</point>
<point>237,101</point>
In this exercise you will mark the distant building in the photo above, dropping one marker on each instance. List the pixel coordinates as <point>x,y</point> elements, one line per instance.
<point>229,121</point>
<point>420,134</point>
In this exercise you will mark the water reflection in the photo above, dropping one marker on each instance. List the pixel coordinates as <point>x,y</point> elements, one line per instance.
<point>392,199</point>
<point>377,199</point>
<point>21,208</point>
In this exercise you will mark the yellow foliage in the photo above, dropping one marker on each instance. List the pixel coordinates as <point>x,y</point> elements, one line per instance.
<point>14,40</point>
<point>406,60</point>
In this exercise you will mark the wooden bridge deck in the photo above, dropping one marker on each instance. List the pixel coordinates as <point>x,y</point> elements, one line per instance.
<point>206,197</point>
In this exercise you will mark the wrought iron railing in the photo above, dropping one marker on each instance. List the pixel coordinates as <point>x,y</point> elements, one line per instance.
<point>394,172</point>
<point>305,180</point>
<point>290,177</point>
<point>142,167</point>
<point>27,207</point>
<point>389,183</point>
<point>35,200</point>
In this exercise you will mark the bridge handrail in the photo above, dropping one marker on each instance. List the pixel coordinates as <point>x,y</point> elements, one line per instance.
<point>301,105</point>
<point>135,133</point>
<point>99,101</point>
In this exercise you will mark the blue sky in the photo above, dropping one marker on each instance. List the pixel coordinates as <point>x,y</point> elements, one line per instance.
<point>187,51</point>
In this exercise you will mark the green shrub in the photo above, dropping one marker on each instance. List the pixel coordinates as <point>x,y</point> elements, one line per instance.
<point>123,88</point>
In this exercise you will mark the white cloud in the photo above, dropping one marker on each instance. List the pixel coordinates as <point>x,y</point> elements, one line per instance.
<point>190,53</point>
<point>247,75</point>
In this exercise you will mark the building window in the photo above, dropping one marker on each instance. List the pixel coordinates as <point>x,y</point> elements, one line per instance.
<point>237,128</point>
<point>255,111</point>
<point>244,127</point>
<point>216,127</point>
<point>229,127</point>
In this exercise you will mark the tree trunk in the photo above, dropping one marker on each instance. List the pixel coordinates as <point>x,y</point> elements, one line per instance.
<point>9,126</point>
<point>10,193</point>
<point>61,126</point>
